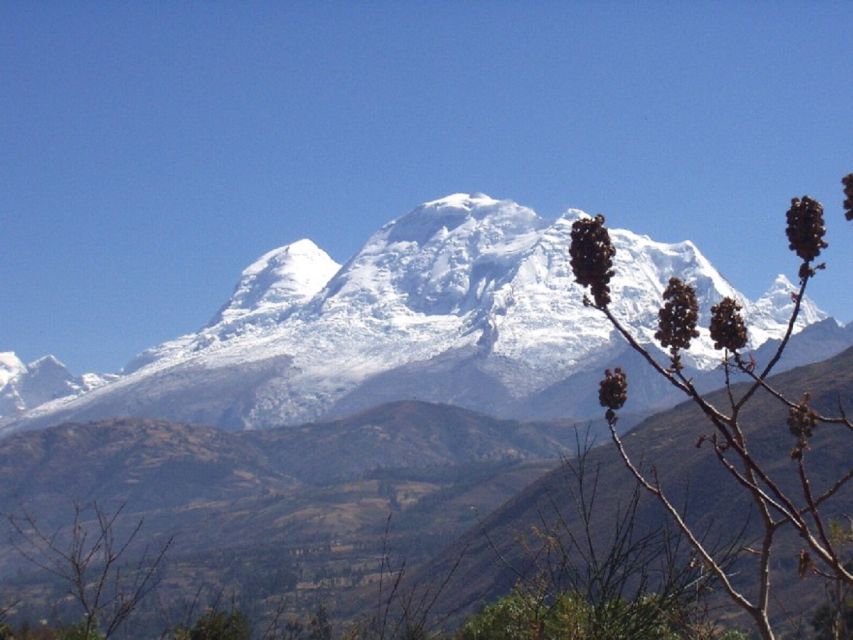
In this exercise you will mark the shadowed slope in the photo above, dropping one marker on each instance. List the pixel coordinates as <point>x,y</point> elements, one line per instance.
<point>494,557</point>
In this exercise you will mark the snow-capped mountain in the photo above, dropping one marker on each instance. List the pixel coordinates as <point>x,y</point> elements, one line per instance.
<point>10,367</point>
<point>466,299</point>
<point>27,386</point>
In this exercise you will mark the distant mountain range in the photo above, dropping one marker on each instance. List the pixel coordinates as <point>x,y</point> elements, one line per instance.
<point>26,386</point>
<point>159,464</point>
<point>295,510</point>
<point>465,300</point>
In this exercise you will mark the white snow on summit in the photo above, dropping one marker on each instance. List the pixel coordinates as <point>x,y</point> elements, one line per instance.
<point>279,280</point>
<point>10,366</point>
<point>44,380</point>
<point>466,279</point>
<point>276,285</point>
<point>465,271</point>
<point>767,317</point>
<point>540,319</point>
<point>439,259</point>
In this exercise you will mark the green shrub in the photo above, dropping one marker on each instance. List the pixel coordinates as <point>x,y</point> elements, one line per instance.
<point>527,616</point>
<point>218,625</point>
<point>78,632</point>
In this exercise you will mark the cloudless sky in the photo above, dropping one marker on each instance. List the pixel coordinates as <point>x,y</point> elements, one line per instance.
<point>150,151</point>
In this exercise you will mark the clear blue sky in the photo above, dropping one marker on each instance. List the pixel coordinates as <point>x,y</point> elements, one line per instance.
<point>149,151</point>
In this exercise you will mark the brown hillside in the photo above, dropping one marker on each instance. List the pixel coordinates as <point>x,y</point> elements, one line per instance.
<point>494,557</point>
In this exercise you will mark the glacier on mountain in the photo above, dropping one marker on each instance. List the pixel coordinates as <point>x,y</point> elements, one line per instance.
<point>26,386</point>
<point>466,299</point>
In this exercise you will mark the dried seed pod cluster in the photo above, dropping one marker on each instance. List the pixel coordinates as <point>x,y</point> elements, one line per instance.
<point>805,228</point>
<point>678,317</point>
<point>847,181</point>
<point>805,565</point>
<point>613,390</point>
<point>802,420</point>
<point>728,330</point>
<point>592,257</point>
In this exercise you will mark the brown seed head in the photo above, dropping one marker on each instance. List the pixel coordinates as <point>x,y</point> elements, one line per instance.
<point>847,181</point>
<point>727,328</point>
<point>802,420</point>
<point>805,228</point>
<point>678,317</point>
<point>805,565</point>
<point>592,257</point>
<point>613,390</point>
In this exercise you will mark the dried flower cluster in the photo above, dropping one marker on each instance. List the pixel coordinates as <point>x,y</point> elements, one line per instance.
<point>613,391</point>
<point>805,228</point>
<point>592,257</point>
<point>678,317</point>
<point>677,325</point>
<point>805,565</point>
<point>728,330</point>
<point>802,420</point>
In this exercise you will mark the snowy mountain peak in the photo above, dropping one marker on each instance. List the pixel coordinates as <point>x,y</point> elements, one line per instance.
<point>465,299</point>
<point>778,300</point>
<point>648,260</point>
<point>444,257</point>
<point>460,201</point>
<point>570,215</point>
<point>10,366</point>
<point>46,363</point>
<point>781,284</point>
<point>770,313</point>
<point>26,386</point>
<point>279,280</point>
<point>459,215</point>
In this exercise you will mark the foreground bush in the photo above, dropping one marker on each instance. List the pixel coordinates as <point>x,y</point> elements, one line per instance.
<point>524,616</point>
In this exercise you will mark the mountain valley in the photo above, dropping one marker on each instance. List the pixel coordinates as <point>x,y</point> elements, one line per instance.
<point>297,511</point>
